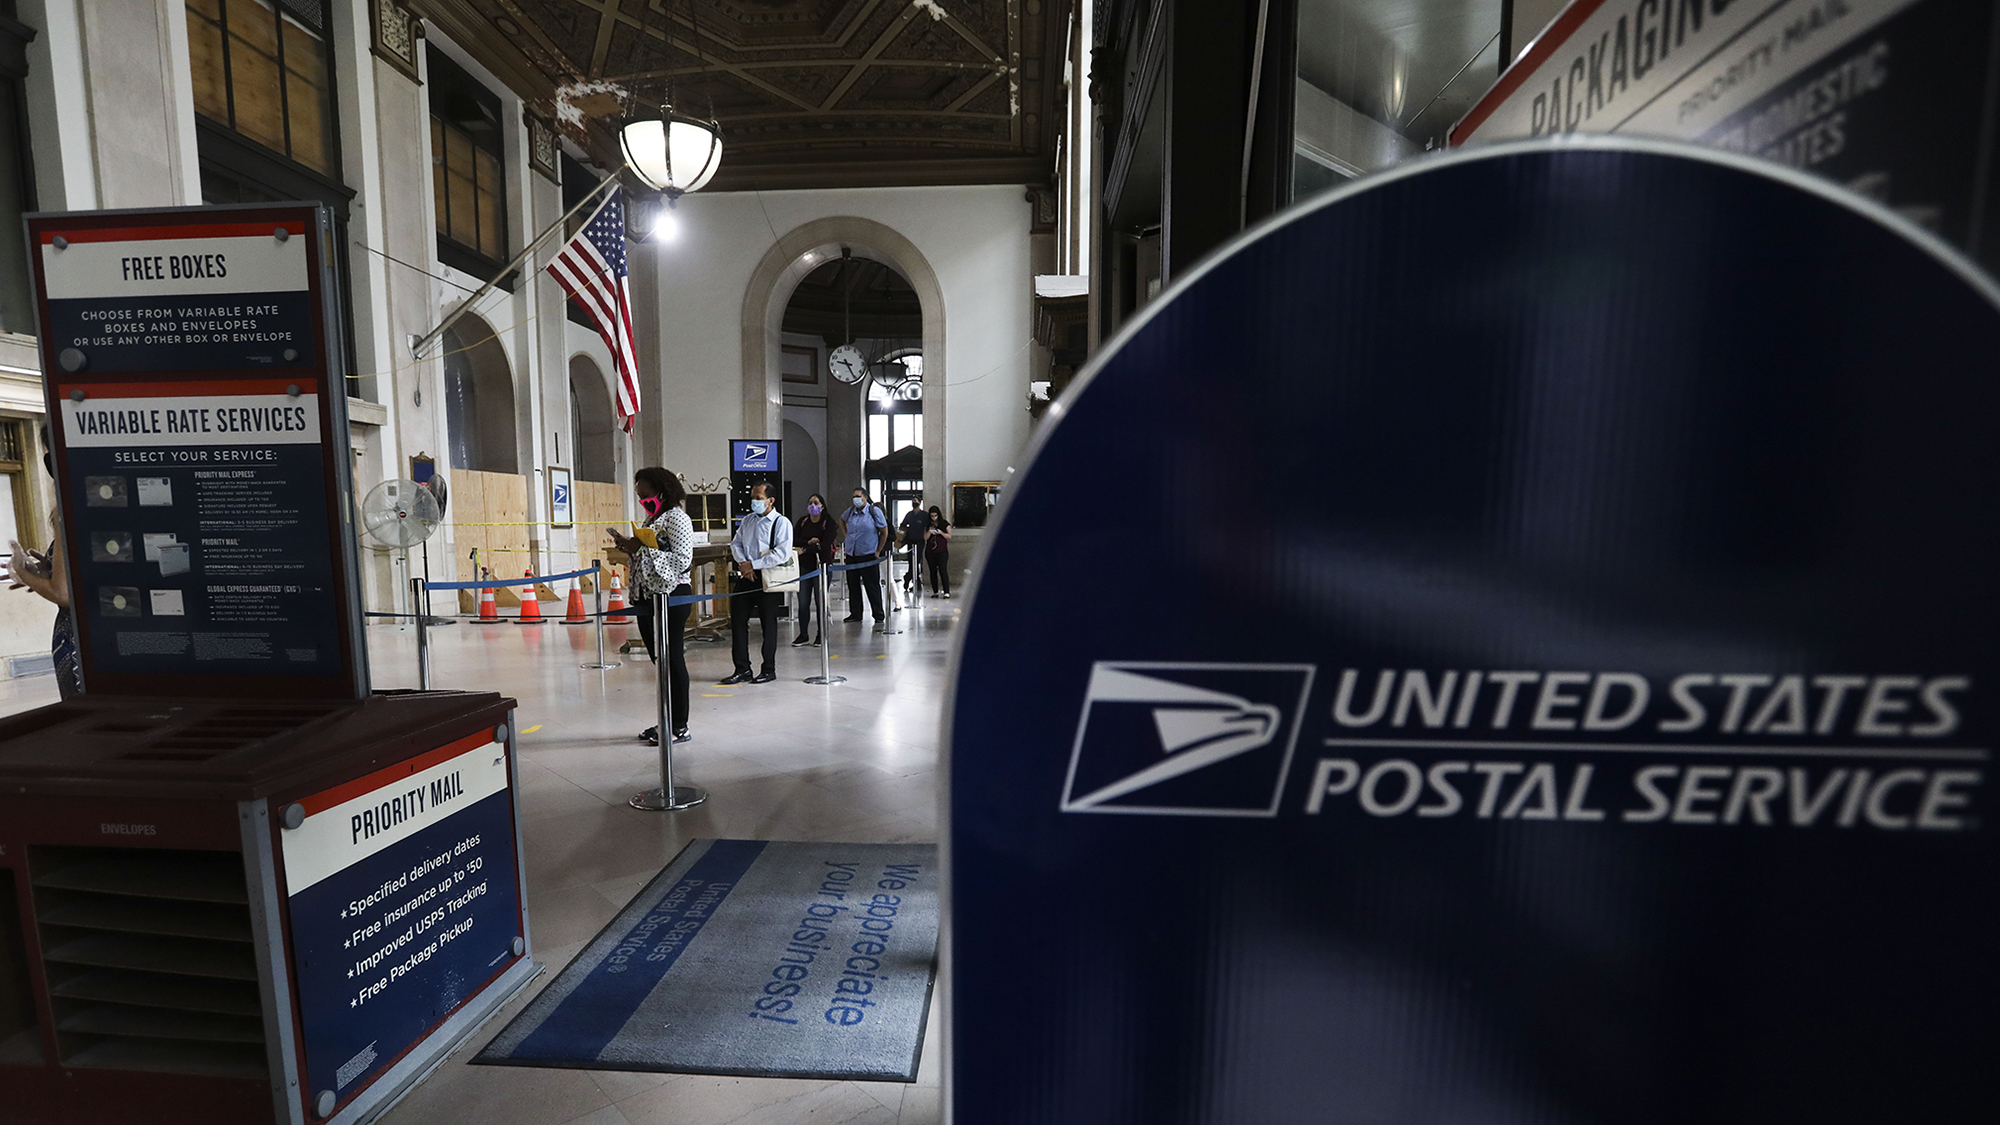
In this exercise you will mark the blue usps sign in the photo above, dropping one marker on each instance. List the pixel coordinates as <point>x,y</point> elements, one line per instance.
<point>753,456</point>
<point>1603,732</point>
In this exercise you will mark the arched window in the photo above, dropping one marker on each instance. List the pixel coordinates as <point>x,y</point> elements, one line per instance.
<point>591,427</point>
<point>479,399</point>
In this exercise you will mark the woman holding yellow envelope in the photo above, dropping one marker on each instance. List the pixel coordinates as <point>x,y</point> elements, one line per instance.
<point>662,552</point>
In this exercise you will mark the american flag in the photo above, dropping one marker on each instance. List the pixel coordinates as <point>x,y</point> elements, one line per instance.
<point>592,268</point>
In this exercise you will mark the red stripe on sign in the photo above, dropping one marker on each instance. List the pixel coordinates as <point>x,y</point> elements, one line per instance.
<point>1547,43</point>
<point>361,786</point>
<point>192,230</point>
<point>189,390</point>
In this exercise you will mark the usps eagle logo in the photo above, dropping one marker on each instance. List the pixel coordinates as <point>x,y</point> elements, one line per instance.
<point>1180,739</point>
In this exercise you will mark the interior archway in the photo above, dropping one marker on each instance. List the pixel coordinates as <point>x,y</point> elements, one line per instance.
<point>799,252</point>
<point>479,399</point>
<point>592,426</point>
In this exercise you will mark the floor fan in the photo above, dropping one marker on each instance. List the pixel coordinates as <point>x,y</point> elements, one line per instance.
<point>403,514</point>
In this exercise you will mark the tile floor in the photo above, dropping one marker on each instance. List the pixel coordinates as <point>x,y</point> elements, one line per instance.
<point>786,760</point>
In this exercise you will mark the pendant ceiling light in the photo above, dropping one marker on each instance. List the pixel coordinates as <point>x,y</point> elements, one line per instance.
<point>672,151</point>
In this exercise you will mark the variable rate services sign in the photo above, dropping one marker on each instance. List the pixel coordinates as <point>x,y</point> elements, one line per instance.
<point>1603,729</point>
<point>404,902</point>
<point>199,450</point>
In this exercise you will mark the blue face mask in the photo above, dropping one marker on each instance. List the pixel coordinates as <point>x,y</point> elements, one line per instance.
<point>760,507</point>
<point>858,501</point>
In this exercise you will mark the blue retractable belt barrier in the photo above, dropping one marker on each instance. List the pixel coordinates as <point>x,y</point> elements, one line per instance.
<point>687,599</point>
<point>525,580</point>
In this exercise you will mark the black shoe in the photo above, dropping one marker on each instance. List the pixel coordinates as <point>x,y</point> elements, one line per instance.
<point>800,641</point>
<point>650,736</point>
<point>764,677</point>
<point>818,641</point>
<point>742,677</point>
<point>852,617</point>
<point>682,735</point>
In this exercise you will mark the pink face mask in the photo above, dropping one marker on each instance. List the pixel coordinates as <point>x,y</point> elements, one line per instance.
<point>652,504</point>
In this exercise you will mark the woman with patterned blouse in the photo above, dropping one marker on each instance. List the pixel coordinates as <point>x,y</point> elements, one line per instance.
<point>663,570</point>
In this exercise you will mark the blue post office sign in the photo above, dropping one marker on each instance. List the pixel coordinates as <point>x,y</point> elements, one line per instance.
<point>753,456</point>
<point>1602,725</point>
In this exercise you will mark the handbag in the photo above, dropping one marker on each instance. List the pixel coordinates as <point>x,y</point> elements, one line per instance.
<point>783,578</point>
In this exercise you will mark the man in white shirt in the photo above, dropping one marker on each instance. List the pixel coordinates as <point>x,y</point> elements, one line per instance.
<point>763,540</point>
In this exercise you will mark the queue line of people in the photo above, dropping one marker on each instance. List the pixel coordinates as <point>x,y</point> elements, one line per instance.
<point>662,554</point>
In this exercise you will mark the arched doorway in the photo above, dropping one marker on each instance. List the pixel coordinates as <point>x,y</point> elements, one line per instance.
<point>797,254</point>
<point>479,399</point>
<point>592,427</point>
<point>873,429</point>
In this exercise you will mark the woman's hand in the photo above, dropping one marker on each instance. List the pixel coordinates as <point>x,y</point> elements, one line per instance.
<point>25,565</point>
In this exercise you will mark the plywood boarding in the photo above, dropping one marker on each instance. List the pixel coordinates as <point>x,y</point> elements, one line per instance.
<point>599,504</point>
<point>489,512</point>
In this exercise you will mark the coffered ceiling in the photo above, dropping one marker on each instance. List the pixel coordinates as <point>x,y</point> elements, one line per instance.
<point>810,93</point>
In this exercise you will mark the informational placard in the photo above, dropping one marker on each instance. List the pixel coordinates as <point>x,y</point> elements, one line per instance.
<point>753,462</point>
<point>404,902</point>
<point>199,445</point>
<point>1602,725</point>
<point>1893,98</point>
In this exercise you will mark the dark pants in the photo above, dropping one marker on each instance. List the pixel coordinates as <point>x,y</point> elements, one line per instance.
<point>808,594</point>
<point>873,584</point>
<point>937,561</point>
<point>765,607</point>
<point>677,671</point>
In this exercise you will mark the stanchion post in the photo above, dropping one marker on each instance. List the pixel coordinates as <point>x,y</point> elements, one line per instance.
<point>668,797</point>
<point>826,675</point>
<point>420,594</point>
<point>597,585</point>
<point>886,572</point>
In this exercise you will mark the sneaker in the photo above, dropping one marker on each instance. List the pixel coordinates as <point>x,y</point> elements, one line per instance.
<point>801,641</point>
<point>946,595</point>
<point>650,736</point>
<point>682,735</point>
<point>852,617</point>
<point>818,641</point>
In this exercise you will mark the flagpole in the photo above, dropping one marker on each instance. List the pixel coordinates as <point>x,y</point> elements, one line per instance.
<point>418,344</point>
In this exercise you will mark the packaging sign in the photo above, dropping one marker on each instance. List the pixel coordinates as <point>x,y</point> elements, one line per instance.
<point>1890,97</point>
<point>404,903</point>
<point>1604,729</point>
<point>200,448</point>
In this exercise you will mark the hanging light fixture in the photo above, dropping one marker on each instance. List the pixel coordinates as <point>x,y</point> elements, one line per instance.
<point>672,151</point>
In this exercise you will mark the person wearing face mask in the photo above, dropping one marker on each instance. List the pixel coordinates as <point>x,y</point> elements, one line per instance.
<point>867,533</point>
<point>663,570</point>
<point>763,540</point>
<point>937,552</point>
<point>910,537</point>
<point>815,536</point>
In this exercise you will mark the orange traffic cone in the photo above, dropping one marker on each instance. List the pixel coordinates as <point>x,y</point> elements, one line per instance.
<point>616,610</point>
<point>575,615</point>
<point>489,609</point>
<point>531,604</point>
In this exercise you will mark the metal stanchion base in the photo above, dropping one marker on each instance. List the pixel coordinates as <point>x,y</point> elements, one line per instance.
<point>601,667</point>
<point>826,679</point>
<point>685,797</point>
